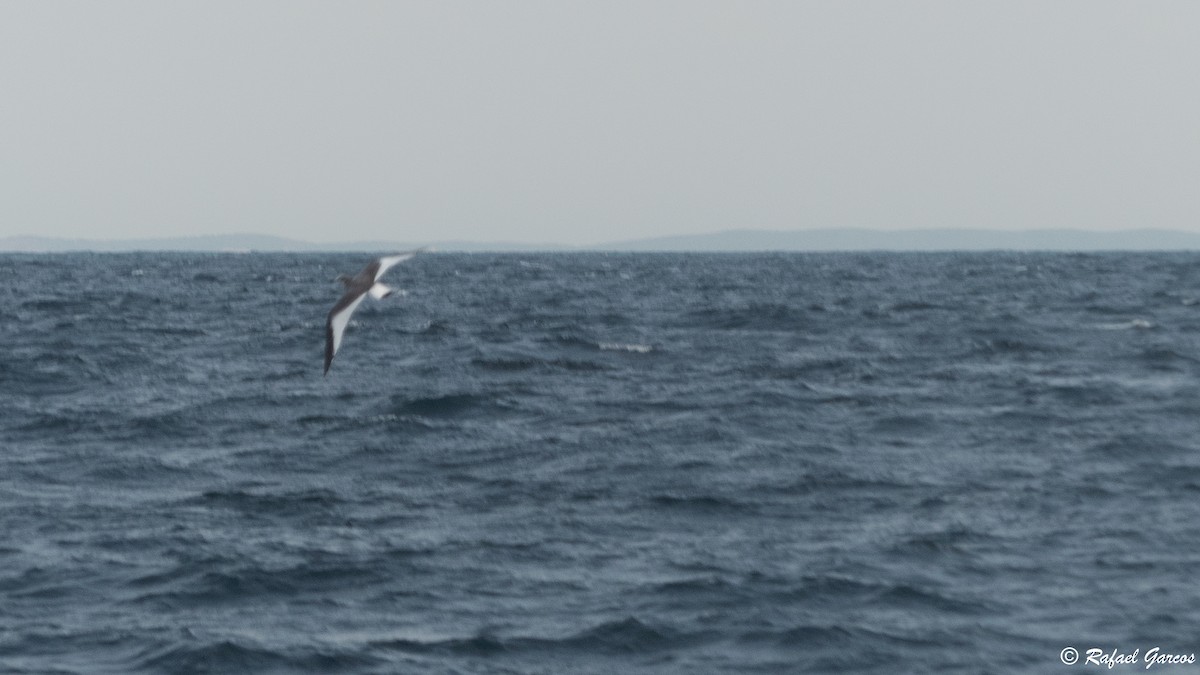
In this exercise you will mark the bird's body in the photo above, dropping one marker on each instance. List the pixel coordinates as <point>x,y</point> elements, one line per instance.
<point>358,287</point>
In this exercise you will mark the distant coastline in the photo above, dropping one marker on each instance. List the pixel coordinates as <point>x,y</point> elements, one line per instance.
<point>746,240</point>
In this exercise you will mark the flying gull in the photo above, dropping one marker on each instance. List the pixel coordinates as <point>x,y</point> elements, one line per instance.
<point>357,287</point>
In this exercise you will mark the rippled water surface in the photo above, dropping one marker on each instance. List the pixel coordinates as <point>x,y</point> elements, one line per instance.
<point>598,463</point>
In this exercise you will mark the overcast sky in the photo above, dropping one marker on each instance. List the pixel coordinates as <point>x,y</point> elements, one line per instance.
<point>580,122</point>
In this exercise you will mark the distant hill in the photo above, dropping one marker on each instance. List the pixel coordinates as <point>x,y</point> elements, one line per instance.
<point>240,243</point>
<point>831,239</point>
<point>851,239</point>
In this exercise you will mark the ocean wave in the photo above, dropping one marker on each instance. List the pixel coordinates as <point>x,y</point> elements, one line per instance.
<point>242,655</point>
<point>1133,324</point>
<point>508,365</point>
<point>704,586</point>
<point>1007,345</point>
<point>915,306</point>
<point>627,636</point>
<point>1165,357</point>
<point>767,316</point>
<point>267,503</point>
<point>446,405</point>
<point>806,636</point>
<point>663,463</point>
<point>702,503</point>
<point>950,541</point>
<point>625,347</point>
<point>225,580</point>
<point>1130,445</point>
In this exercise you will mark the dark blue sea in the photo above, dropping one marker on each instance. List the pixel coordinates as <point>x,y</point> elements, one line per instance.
<point>599,463</point>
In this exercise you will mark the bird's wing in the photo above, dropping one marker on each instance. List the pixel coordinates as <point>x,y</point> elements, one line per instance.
<point>335,325</point>
<point>388,261</point>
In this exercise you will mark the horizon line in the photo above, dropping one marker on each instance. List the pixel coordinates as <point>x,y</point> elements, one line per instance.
<point>733,240</point>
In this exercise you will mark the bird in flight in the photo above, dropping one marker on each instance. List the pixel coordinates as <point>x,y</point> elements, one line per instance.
<point>358,287</point>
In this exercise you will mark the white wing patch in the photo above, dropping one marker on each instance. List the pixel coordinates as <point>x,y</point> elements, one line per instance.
<point>341,319</point>
<point>379,291</point>
<point>387,262</point>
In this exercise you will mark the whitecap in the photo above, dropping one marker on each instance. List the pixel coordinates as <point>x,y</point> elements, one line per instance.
<point>622,347</point>
<point>1136,324</point>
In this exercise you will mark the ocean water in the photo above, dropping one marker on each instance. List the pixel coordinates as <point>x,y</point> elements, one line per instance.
<point>561,463</point>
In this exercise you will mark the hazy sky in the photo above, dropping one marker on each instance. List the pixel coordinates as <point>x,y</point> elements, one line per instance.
<point>579,122</point>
